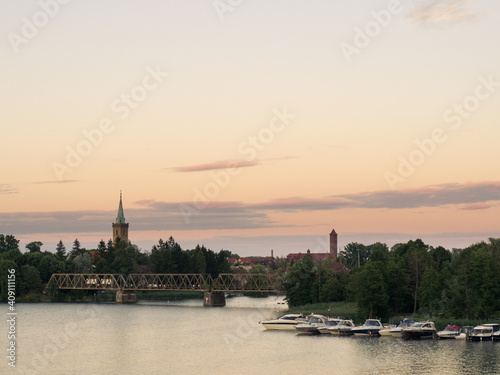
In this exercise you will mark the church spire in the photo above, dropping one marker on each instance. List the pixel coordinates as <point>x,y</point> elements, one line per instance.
<point>120,219</point>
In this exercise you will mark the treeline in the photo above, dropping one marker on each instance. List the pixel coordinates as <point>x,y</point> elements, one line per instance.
<point>34,267</point>
<point>410,277</point>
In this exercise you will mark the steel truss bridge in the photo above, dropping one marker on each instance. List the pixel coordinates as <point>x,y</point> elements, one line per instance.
<point>180,282</point>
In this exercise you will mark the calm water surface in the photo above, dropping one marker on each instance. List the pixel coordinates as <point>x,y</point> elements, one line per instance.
<point>186,338</point>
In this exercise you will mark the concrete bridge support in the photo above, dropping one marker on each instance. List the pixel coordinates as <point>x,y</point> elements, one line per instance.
<point>214,299</point>
<point>125,297</point>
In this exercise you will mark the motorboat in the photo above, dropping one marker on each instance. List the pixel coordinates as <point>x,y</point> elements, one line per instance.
<point>465,333</point>
<point>331,322</point>
<point>386,331</point>
<point>481,333</point>
<point>450,332</point>
<point>397,331</point>
<point>484,332</point>
<point>343,328</point>
<point>312,324</point>
<point>370,328</point>
<point>419,330</point>
<point>285,322</point>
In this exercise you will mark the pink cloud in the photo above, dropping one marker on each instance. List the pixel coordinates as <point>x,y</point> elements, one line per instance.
<point>223,164</point>
<point>477,206</point>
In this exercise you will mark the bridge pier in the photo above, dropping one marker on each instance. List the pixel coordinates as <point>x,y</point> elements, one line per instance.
<point>125,297</point>
<point>214,299</point>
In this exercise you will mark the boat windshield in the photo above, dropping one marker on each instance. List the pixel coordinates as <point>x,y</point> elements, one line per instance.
<point>372,323</point>
<point>479,331</point>
<point>417,325</point>
<point>452,328</point>
<point>315,320</point>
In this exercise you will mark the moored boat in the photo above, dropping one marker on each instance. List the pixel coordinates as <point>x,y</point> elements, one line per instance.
<point>370,328</point>
<point>330,323</point>
<point>386,331</point>
<point>286,322</point>
<point>484,332</point>
<point>397,332</point>
<point>419,331</point>
<point>344,328</point>
<point>465,333</point>
<point>311,325</point>
<point>450,332</point>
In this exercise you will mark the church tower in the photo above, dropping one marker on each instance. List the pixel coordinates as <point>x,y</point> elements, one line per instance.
<point>120,227</point>
<point>333,244</point>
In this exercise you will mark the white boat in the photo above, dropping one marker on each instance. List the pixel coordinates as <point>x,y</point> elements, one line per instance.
<point>419,330</point>
<point>484,332</point>
<point>397,331</point>
<point>386,331</point>
<point>312,324</point>
<point>465,333</point>
<point>371,328</point>
<point>344,328</point>
<point>330,323</point>
<point>284,323</point>
<point>450,332</point>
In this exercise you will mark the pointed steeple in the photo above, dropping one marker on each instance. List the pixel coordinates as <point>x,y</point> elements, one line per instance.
<point>120,219</point>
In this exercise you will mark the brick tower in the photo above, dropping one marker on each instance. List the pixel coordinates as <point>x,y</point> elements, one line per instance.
<point>333,244</point>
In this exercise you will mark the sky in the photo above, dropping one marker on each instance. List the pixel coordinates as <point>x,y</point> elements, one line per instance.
<point>250,125</point>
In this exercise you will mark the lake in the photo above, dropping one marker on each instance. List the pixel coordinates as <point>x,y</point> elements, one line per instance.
<point>183,337</point>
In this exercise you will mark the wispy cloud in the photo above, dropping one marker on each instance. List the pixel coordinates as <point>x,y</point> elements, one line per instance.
<point>442,12</point>
<point>224,164</point>
<point>8,189</point>
<point>477,206</point>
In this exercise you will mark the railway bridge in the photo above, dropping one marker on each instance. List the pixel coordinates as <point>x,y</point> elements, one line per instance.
<point>127,285</point>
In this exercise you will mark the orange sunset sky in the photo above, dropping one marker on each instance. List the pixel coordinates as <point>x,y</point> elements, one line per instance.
<point>250,125</point>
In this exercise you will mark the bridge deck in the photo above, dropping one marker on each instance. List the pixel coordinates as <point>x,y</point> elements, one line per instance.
<point>180,282</point>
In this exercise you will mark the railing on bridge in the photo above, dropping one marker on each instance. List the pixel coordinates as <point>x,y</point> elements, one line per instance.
<point>180,282</point>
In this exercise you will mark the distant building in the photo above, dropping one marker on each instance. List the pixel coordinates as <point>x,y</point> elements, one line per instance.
<point>318,257</point>
<point>120,227</point>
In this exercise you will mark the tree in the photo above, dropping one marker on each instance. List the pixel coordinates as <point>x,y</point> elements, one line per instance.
<point>430,291</point>
<point>124,261</point>
<point>34,247</point>
<point>367,285</point>
<point>299,282</point>
<point>83,263</point>
<point>8,242</point>
<point>61,250</point>
<point>355,254</point>
<point>76,250</point>
<point>29,280</point>
<point>200,265</point>
<point>50,264</point>
<point>258,269</point>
